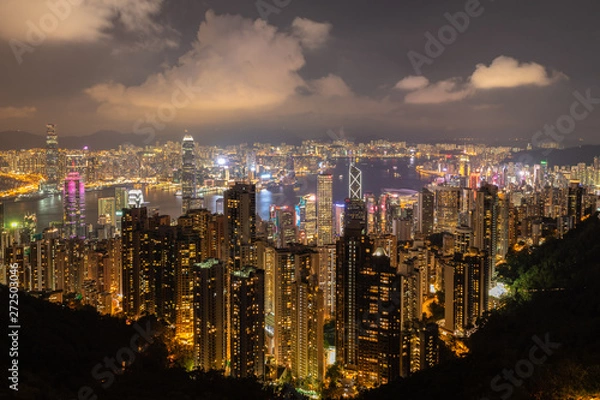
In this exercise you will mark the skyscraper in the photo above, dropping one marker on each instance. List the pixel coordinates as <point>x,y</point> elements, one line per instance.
<point>135,243</point>
<point>485,227</point>
<point>74,206</point>
<point>210,316</point>
<point>379,312</point>
<point>188,172</point>
<point>51,158</point>
<point>354,252</point>
<point>354,182</point>
<point>240,225</point>
<point>426,205</point>
<point>447,206</point>
<point>247,322</point>
<point>324,209</point>
<point>575,203</point>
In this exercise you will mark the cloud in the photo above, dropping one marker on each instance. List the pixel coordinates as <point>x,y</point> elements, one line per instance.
<point>507,72</point>
<point>35,21</point>
<point>235,64</point>
<point>311,34</point>
<point>504,72</point>
<point>330,86</point>
<point>412,83</point>
<point>17,112</point>
<point>439,92</point>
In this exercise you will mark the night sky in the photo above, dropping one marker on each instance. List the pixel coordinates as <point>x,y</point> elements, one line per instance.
<point>312,69</point>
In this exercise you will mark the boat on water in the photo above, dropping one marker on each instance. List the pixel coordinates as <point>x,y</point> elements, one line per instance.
<point>178,193</point>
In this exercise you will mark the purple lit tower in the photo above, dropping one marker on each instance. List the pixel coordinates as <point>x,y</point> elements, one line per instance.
<point>74,206</point>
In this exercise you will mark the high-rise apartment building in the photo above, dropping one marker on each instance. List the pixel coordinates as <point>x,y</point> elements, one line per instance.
<point>324,209</point>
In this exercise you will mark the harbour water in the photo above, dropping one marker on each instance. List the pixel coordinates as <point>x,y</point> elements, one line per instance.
<point>378,174</point>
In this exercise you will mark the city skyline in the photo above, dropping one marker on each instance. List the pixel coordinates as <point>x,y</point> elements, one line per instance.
<point>321,200</point>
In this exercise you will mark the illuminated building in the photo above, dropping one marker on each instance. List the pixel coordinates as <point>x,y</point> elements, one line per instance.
<point>324,209</point>
<point>354,252</point>
<point>355,214</point>
<point>135,260</point>
<point>240,225</point>
<point>187,253</point>
<point>371,210</point>
<point>466,289</point>
<point>485,227</point>
<point>575,203</point>
<point>327,278</point>
<point>307,331</point>
<point>285,226</point>
<point>247,323</point>
<point>447,206</point>
<point>135,198</point>
<point>426,207</point>
<point>379,312</point>
<point>354,182</point>
<point>420,348</point>
<point>51,158</point>
<point>188,172</point>
<point>106,207</point>
<point>338,213</point>
<point>210,316</point>
<point>306,216</point>
<point>74,206</point>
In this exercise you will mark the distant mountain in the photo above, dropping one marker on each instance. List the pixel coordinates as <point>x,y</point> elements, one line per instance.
<point>568,156</point>
<point>16,140</point>
<point>101,140</point>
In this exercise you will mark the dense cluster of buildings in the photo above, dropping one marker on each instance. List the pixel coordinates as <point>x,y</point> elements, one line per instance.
<point>252,296</point>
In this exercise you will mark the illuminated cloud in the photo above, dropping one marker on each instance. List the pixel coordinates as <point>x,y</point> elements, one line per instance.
<point>311,34</point>
<point>506,72</point>
<point>36,21</point>
<point>412,83</point>
<point>439,92</point>
<point>16,112</point>
<point>235,64</point>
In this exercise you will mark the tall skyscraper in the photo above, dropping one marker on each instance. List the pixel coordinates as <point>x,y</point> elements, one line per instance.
<point>210,316</point>
<point>379,313</point>
<point>240,225</point>
<point>354,252</point>
<point>307,332</point>
<point>324,209</point>
<point>51,158</point>
<point>285,225</point>
<point>247,322</point>
<point>426,206</point>
<point>575,203</point>
<point>135,243</point>
<point>447,207</point>
<point>485,227</point>
<point>466,289</point>
<point>106,209</point>
<point>354,182</point>
<point>188,172</point>
<point>306,212</point>
<point>74,206</point>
